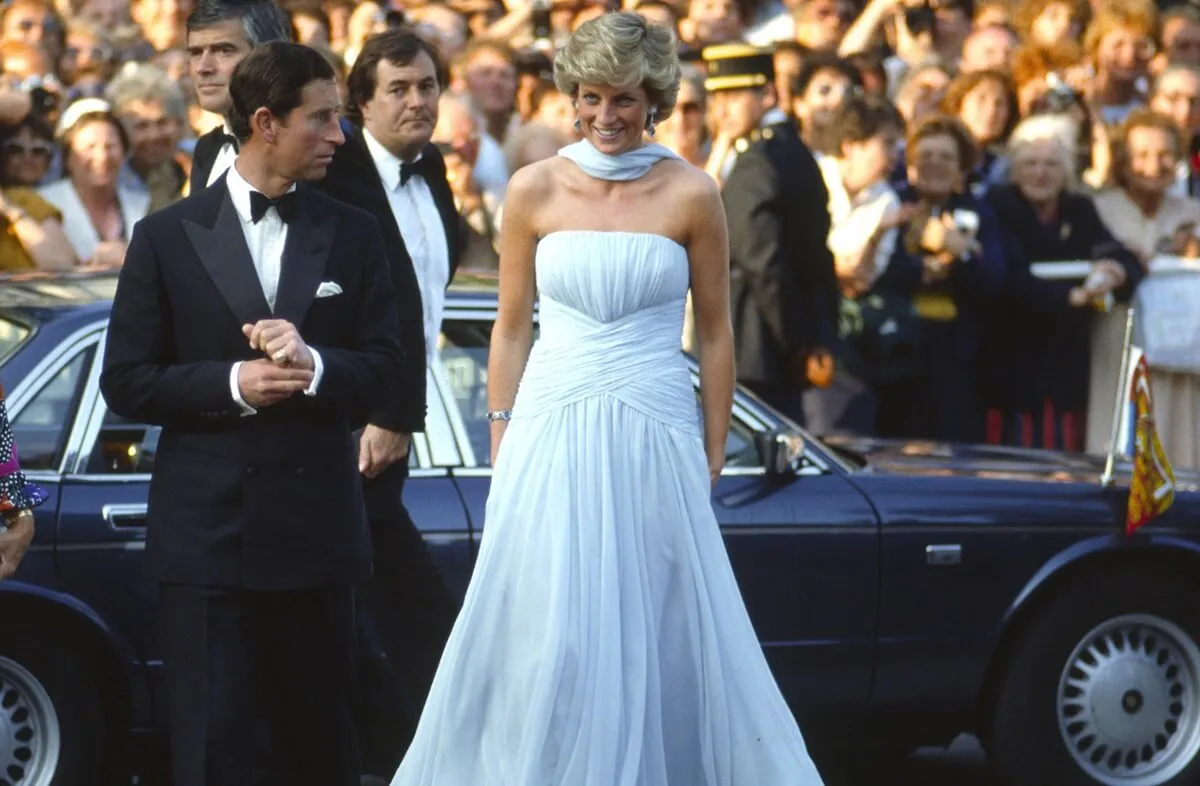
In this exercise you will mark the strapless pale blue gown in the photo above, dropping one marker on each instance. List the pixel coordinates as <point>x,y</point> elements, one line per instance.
<point>603,640</point>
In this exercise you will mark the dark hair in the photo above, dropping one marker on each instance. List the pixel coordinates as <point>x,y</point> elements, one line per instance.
<point>312,12</point>
<point>37,125</point>
<point>861,118</point>
<point>825,61</point>
<point>943,125</point>
<point>400,46</point>
<point>262,20</point>
<point>963,84</point>
<point>273,76</point>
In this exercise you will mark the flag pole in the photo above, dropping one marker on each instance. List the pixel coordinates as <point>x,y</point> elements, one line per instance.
<point>1119,409</point>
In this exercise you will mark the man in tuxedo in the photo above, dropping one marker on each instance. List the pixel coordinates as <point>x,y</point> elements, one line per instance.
<point>389,168</point>
<point>255,322</point>
<point>219,34</point>
<point>783,289</point>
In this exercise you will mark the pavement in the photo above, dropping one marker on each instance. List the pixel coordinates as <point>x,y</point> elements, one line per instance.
<point>962,764</point>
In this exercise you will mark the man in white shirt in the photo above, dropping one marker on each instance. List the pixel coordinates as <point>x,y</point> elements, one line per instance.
<point>219,34</point>
<point>255,322</point>
<point>389,168</point>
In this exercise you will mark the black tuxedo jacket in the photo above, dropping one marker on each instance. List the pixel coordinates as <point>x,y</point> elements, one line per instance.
<point>271,501</point>
<point>783,289</point>
<point>203,157</point>
<point>353,179</point>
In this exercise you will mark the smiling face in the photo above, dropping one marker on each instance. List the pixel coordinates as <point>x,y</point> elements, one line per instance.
<point>1152,158</point>
<point>612,118</point>
<point>403,110</point>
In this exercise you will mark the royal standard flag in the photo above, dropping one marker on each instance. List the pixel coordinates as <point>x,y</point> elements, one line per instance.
<point>1152,487</point>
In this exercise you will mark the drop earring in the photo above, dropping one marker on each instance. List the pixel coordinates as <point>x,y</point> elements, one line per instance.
<point>650,120</point>
<point>578,125</point>
<point>578,122</point>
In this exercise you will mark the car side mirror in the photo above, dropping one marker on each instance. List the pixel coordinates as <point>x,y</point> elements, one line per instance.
<point>780,451</point>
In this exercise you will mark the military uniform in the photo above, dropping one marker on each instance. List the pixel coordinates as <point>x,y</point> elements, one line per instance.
<point>783,289</point>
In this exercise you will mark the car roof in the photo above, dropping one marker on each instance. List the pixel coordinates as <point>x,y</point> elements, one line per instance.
<point>45,297</point>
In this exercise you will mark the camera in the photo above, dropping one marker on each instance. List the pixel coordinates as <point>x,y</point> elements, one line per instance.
<point>921,20</point>
<point>1060,96</point>
<point>539,20</point>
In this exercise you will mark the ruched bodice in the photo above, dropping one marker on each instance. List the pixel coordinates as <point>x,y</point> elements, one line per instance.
<point>611,316</point>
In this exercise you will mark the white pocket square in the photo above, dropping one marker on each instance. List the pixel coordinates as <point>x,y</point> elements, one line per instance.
<point>328,289</point>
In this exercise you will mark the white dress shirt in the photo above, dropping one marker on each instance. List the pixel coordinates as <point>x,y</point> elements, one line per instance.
<point>265,240</point>
<point>224,159</point>
<point>424,236</point>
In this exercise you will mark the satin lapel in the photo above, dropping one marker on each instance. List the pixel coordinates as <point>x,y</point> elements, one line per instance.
<point>305,255</point>
<point>223,252</point>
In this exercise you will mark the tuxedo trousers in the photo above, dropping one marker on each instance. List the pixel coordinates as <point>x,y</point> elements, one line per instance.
<point>261,685</point>
<point>409,612</point>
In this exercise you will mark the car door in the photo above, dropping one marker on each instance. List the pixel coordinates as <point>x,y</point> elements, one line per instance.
<point>102,533</point>
<point>804,548</point>
<point>43,411</point>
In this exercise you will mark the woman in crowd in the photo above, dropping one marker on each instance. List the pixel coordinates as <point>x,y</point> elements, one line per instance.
<point>986,103</point>
<point>1040,339</point>
<point>1119,44</point>
<point>27,152</point>
<point>1143,215</point>
<point>950,261</point>
<point>1041,23</point>
<point>97,213</point>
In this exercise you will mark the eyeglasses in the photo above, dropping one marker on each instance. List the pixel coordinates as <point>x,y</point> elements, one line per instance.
<point>687,107</point>
<point>15,147</point>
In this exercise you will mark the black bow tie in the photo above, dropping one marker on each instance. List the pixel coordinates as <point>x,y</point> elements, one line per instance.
<point>229,139</point>
<point>423,166</point>
<point>285,206</point>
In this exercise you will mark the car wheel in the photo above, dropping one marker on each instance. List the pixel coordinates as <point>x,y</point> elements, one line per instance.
<point>51,720</point>
<point>1104,688</point>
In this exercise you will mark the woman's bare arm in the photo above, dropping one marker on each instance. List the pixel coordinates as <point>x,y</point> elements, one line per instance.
<point>708,257</point>
<point>512,335</point>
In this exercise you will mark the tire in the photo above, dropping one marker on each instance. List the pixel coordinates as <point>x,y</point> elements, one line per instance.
<point>1133,717</point>
<point>52,723</point>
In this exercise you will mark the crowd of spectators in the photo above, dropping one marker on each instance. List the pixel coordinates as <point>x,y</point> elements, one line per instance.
<point>962,142</point>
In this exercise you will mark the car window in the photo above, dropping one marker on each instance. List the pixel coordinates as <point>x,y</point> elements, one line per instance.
<point>12,335</point>
<point>464,352</point>
<point>123,447</point>
<point>41,427</point>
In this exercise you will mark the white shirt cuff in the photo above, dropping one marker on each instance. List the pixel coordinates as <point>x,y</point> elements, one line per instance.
<point>236,392</point>
<point>318,370</point>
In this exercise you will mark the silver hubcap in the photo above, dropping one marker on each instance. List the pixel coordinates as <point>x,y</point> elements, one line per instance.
<point>29,733</point>
<point>1128,708</point>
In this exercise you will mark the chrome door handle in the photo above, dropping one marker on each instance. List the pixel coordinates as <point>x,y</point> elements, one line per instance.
<point>123,516</point>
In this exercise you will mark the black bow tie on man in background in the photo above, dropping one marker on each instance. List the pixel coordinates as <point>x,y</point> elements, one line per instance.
<point>423,166</point>
<point>285,206</point>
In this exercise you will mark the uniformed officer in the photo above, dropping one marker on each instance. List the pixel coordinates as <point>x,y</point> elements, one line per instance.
<point>783,289</point>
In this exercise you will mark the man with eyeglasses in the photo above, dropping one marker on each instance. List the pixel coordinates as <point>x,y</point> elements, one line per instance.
<point>34,22</point>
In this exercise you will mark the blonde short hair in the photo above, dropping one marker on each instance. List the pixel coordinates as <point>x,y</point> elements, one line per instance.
<point>1057,128</point>
<point>622,50</point>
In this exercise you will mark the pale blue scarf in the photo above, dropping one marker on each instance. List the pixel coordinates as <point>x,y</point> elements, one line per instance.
<point>630,165</point>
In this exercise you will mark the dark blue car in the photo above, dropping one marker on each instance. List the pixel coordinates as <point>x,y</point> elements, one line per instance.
<point>904,592</point>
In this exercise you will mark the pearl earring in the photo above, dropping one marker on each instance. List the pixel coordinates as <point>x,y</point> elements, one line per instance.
<point>650,120</point>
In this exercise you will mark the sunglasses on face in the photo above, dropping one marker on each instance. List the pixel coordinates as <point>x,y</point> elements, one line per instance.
<point>687,107</point>
<point>15,147</point>
<point>47,26</point>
